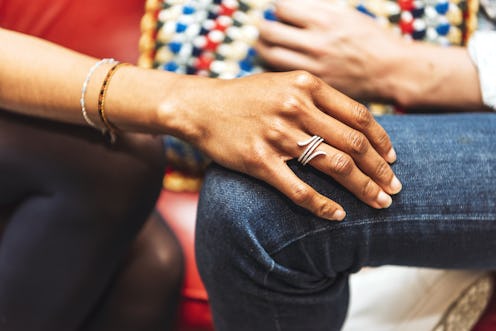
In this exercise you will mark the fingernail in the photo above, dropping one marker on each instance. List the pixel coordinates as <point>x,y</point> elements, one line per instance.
<point>384,200</point>
<point>338,215</point>
<point>391,156</point>
<point>395,185</point>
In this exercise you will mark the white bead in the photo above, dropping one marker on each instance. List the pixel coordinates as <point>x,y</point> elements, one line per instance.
<point>216,36</point>
<point>218,67</point>
<point>166,33</point>
<point>249,34</point>
<point>163,55</point>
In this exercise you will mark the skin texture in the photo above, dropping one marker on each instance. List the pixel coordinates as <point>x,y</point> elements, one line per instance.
<point>249,125</point>
<point>351,52</point>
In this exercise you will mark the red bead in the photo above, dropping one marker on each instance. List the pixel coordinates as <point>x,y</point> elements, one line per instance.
<point>406,5</point>
<point>406,27</point>
<point>204,62</point>
<point>211,45</point>
<point>227,11</point>
<point>219,25</point>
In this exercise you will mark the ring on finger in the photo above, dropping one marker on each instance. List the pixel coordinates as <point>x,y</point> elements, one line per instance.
<point>311,151</point>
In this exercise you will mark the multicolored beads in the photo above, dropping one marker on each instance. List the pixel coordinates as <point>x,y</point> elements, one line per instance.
<point>211,38</point>
<point>436,21</point>
<point>215,38</point>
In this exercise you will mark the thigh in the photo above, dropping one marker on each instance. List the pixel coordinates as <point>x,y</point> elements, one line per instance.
<point>72,205</point>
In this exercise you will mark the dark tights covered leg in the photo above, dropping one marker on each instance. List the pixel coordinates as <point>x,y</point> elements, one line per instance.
<point>71,206</point>
<point>145,293</point>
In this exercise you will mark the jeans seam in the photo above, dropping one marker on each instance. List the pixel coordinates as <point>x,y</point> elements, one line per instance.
<point>267,297</point>
<point>360,223</point>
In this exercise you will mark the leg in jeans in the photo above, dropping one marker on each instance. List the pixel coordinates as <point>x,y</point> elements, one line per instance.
<point>269,265</point>
<point>70,207</point>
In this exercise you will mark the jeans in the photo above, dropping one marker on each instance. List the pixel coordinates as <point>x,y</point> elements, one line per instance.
<point>270,265</point>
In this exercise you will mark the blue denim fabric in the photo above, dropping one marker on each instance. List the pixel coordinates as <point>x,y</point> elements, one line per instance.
<point>270,265</point>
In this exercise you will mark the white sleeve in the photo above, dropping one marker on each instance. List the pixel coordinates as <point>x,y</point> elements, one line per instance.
<point>482,50</point>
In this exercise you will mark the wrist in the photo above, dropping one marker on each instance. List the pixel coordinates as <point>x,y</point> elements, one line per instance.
<point>396,80</point>
<point>181,107</point>
<point>432,76</point>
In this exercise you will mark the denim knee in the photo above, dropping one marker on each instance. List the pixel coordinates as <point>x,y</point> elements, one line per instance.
<point>247,232</point>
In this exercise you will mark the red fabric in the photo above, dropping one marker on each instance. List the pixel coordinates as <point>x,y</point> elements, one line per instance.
<point>488,319</point>
<point>179,211</point>
<point>94,27</point>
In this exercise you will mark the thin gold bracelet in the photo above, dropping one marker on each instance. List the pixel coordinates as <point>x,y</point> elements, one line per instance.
<point>109,127</point>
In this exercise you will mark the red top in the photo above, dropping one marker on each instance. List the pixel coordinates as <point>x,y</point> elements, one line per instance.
<point>94,27</point>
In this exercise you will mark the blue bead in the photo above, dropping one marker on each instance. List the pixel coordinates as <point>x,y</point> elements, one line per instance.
<point>443,29</point>
<point>175,47</point>
<point>270,15</point>
<point>204,31</point>
<point>181,27</point>
<point>217,2</point>
<point>188,10</point>
<point>442,7</point>
<point>361,8</point>
<point>251,52</point>
<point>246,65</point>
<point>170,66</point>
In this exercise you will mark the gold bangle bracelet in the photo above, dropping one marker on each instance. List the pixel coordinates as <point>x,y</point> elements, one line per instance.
<point>109,127</point>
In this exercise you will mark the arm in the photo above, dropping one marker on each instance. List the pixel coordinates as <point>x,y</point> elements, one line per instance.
<point>251,125</point>
<point>352,52</point>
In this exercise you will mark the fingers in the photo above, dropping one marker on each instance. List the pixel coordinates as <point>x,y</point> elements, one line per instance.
<point>289,11</point>
<point>302,194</point>
<point>284,59</point>
<point>287,36</point>
<point>356,116</point>
<point>342,167</point>
<point>356,144</point>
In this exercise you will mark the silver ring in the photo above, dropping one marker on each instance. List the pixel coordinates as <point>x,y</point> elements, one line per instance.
<point>310,152</point>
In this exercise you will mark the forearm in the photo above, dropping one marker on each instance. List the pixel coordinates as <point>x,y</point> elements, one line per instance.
<point>432,76</point>
<point>41,79</point>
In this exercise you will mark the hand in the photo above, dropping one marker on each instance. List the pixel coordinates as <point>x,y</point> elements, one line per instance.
<point>344,47</point>
<point>253,125</point>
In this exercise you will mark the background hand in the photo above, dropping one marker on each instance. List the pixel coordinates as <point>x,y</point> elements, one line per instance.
<point>344,47</point>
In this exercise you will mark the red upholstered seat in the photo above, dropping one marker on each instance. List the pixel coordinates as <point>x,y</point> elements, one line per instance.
<point>179,210</point>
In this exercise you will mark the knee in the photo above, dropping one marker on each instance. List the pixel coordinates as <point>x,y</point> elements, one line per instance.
<point>119,185</point>
<point>159,256</point>
<point>248,231</point>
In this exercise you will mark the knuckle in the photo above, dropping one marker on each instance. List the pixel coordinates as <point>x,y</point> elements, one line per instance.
<point>276,131</point>
<point>304,80</point>
<point>369,189</point>
<point>342,164</point>
<point>325,209</point>
<point>363,117</point>
<point>257,159</point>
<point>383,171</point>
<point>358,142</point>
<point>383,140</point>
<point>301,195</point>
<point>291,105</point>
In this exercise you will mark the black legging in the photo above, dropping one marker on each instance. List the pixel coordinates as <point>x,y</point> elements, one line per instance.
<point>70,209</point>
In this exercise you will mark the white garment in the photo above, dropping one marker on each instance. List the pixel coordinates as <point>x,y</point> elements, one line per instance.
<point>482,50</point>
<point>416,299</point>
